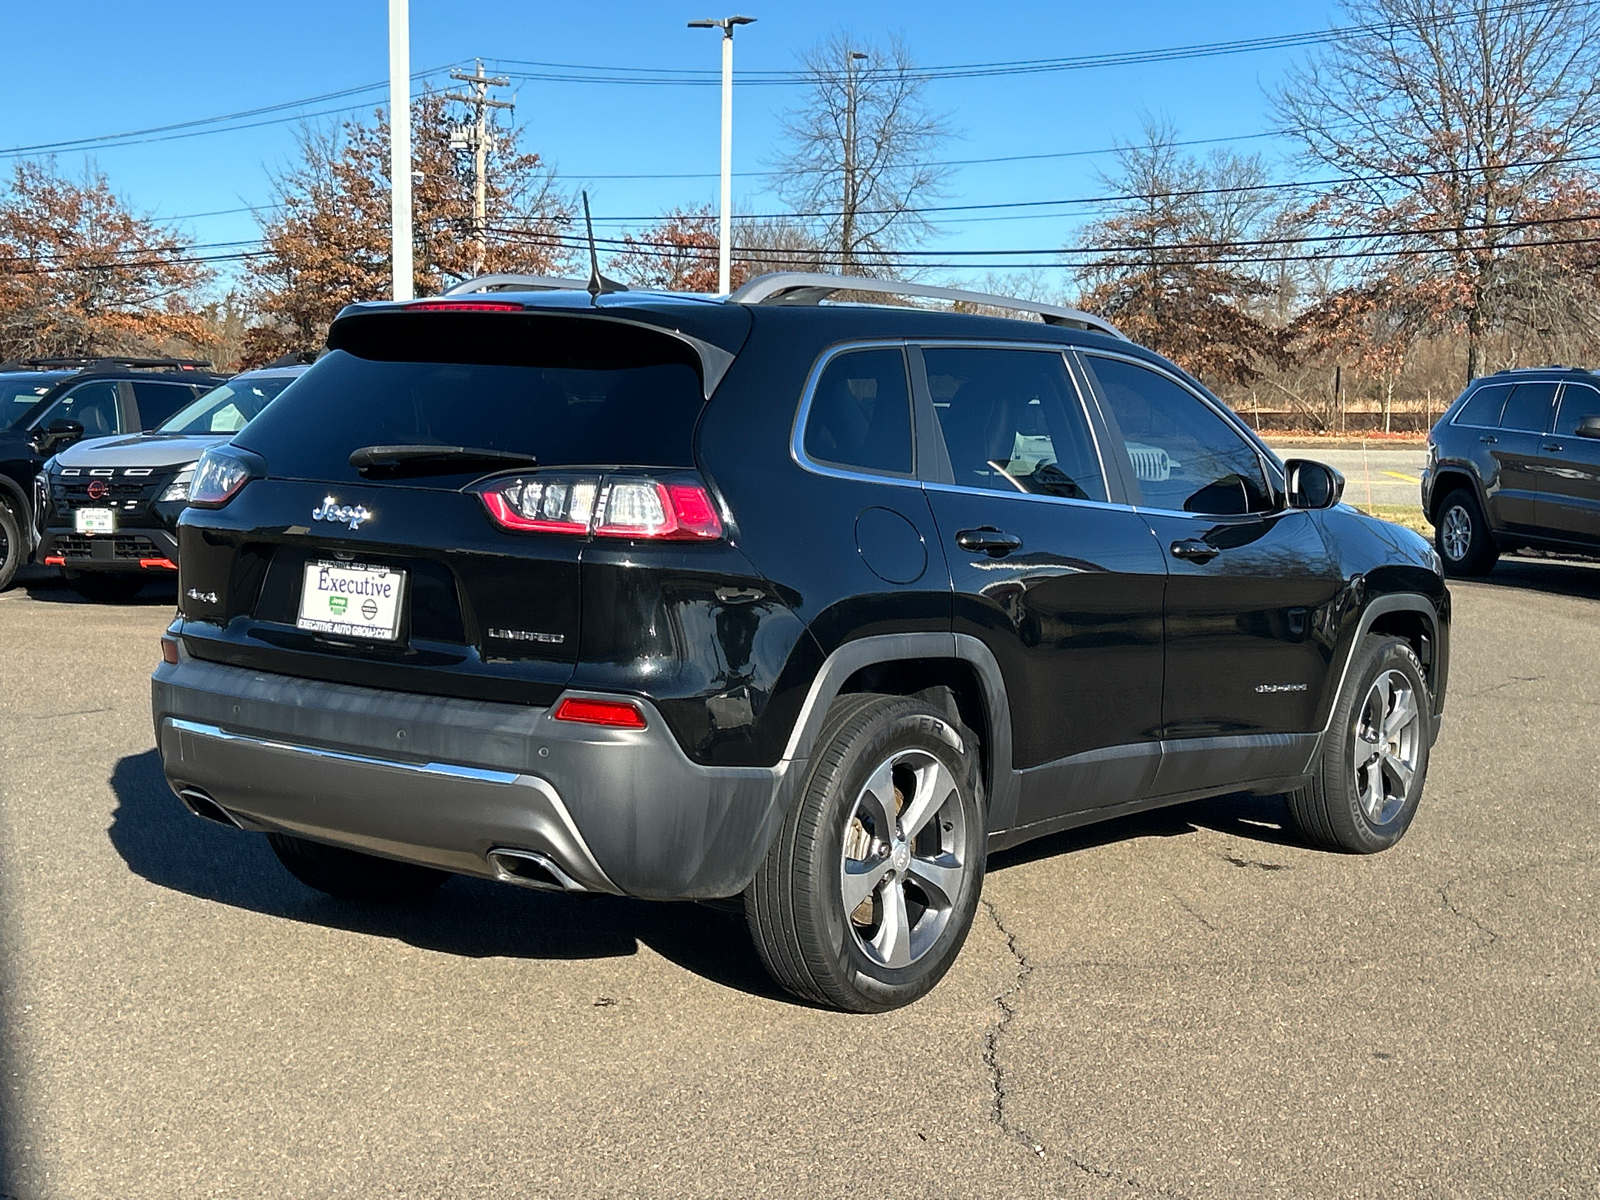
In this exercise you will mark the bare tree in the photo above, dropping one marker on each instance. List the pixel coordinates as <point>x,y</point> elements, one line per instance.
<point>1173,262</point>
<point>1452,124</point>
<point>859,151</point>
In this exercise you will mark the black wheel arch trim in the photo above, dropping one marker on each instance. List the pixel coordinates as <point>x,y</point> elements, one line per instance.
<point>1001,781</point>
<point>1437,673</point>
<point>24,510</point>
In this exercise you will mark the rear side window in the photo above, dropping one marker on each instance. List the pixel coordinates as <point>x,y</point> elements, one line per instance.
<point>569,391</point>
<point>860,413</point>
<point>1185,456</point>
<point>1483,407</point>
<point>1528,409</point>
<point>1577,402</point>
<point>1012,422</point>
<point>158,401</point>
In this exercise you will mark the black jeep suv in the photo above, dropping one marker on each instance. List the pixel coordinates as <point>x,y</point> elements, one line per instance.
<point>47,404</point>
<point>809,604</point>
<point>1513,463</point>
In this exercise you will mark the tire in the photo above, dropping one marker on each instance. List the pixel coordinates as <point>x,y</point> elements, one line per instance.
<point>351,875</point>
<point>1462,535</point>
<point>109,587</point>
<point>13,546</point>
<point>915,896</point>
<point>1365,786</point>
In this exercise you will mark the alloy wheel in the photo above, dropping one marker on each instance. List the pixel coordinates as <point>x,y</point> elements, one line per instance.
<point>1456,532</point>
<point>1387,745</point>
<point>906,856</point>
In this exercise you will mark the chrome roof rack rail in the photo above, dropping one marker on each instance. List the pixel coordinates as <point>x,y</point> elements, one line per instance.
<point>802,287</point>
<point>515,283</point>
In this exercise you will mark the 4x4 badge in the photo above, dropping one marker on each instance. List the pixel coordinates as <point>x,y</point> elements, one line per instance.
<point>342,514</point>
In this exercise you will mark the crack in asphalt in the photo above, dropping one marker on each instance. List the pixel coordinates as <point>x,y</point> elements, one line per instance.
<point>1192,911</point>
<point>1008,1002</point>
<point>1464,914</point>
<point>1254,862</point>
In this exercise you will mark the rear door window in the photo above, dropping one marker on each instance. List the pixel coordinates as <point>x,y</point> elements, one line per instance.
<point>1184,455</point>
<point>860,413</point>
<point>1482,409</point>
<point>566,391</point>
<point>1013,423</point>
<point>1528,408</point>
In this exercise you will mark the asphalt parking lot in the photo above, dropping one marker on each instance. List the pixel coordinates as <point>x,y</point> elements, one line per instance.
<point>1386,475</point>
<point>1183,1004</point>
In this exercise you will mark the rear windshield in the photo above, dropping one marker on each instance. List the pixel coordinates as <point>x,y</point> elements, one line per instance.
<point>567,391</point>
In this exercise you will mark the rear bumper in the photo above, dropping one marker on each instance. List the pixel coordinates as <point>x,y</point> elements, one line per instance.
<point>443,781</point>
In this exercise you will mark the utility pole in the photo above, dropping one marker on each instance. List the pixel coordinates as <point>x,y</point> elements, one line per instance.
<point>475,137</point>
<point>847,223</point>
<point>725,238</point>
<point>400,147</point>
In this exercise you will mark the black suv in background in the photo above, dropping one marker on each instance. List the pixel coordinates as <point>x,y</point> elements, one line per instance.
<point>808,604</point>
<point>46,404</point>
<point>108,507</point>
<point>1515,462</point>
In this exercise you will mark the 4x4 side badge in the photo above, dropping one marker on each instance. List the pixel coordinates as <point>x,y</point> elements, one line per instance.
<point>341,514</point>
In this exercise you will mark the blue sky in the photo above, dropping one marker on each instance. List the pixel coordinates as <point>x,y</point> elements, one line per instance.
<point>128,66</point>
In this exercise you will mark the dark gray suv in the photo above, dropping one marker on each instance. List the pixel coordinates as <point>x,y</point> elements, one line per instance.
<point>1514,463</point>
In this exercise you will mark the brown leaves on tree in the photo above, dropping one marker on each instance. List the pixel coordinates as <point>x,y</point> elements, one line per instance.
<point>327,238</point>
<point>81,273</point>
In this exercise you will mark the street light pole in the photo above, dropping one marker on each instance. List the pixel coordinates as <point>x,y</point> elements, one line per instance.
<point>725,238</point>
<point>400,147</point>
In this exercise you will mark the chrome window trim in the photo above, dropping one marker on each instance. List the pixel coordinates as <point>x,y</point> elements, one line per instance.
<point>797,432</point>
<point>1271,465</point>
<point>797,450</point>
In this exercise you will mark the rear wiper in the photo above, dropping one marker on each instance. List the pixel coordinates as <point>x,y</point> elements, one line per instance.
<point>391,461</point>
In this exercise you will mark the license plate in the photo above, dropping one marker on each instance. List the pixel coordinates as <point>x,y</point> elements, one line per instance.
<point>95,520</point>
<point>351,599</point>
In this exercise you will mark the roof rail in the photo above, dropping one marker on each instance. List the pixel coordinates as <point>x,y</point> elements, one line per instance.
<point>803,287</point>
<point>82,362</point>
<point>515,283</point>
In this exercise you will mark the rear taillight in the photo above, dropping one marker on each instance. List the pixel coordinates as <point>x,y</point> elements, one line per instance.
<point>613,714</point>
<point>625,506</point>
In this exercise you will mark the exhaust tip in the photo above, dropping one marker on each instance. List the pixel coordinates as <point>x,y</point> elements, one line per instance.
<point>202,805</point>
<point>530,868</point>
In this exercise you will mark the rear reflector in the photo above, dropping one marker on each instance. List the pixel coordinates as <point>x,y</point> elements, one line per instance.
<point>54,560</point>
<point>614,714</point>
<point>478,306</point>
<point>169,651</point>
<point>164,564</point>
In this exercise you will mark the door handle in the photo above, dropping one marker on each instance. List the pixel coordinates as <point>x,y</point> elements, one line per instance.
<point>1488,439</point>
<point>1552,447</point>
<point>988,540</point>
<point>1194,550</point>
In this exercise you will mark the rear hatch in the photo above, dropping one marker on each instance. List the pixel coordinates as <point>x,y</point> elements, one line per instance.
<point>391,571</point>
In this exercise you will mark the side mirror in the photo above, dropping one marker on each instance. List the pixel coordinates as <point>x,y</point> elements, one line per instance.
<point>1589,427</point>
<point>60,432</point>
<point>1312,484</point>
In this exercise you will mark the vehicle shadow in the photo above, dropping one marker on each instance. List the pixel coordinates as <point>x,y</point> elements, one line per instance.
<point>1553,576</point>
<point>163,842</point>
<point>50,586</point>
